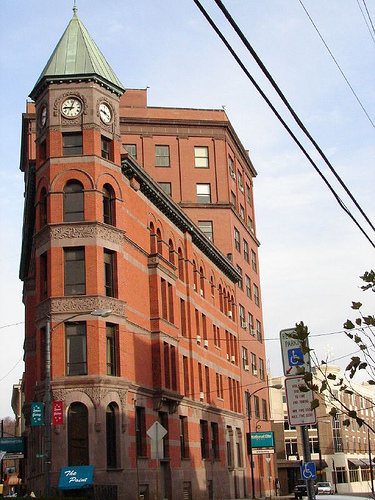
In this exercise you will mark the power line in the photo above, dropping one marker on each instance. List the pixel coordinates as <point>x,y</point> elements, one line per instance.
<point>12,324</point>
<point>10,371</point>
<point>337,64</point>
<point>368,15</point>
<point>288,106</point>
<point>364,18</point>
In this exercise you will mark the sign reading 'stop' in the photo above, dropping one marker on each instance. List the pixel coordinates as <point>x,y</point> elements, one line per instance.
<point>295,361</point>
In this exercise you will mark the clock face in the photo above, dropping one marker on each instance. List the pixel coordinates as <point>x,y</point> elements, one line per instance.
<point>105,113</point>
<point>71,107</point>
<point>43,116</point>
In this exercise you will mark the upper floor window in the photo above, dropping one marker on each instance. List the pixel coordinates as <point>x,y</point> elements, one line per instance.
<point>131,149</point>
<point>231,167</point>
<point>76,348</point>
<point>240,282</point>
<point>233,199</point>
<point>256,294</point>
<point>254,261</point>
<point>110,415</point>
<point>242,212</point>
<point>111,349</point>
<point>261,369</point>
<point>106,148</point>
<point>201,157</point>
<point>248,193</point>
<point>237,242</point>
<point>259,330</point>
<point>108,205</point>
<point>240,181</point>
<point>140,431</point>
<point>248,286</point>
<point>72,143</point>
<point>109,281</point>
<point>73,202</point>
<point>74,271</point>
<point>206,227</point>
<point>203,193</point>
<point>43,207</point>
<point>166,187</point>
<point>162,156</point>
<point>246,250</point>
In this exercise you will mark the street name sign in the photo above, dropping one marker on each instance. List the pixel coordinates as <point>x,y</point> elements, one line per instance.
<point>298,402</point>
<point>294,361</point>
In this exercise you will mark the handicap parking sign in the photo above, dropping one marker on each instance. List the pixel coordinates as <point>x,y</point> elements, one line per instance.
<point>295,357</point>
<point>308,471</point>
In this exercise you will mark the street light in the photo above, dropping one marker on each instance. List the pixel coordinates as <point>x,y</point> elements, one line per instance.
<point>104,313</point>
<point>249,444</point>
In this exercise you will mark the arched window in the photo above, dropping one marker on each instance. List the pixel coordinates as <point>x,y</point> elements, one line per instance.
<point>171,251</point>
<point>108,205</point>
<point>78,436</point>
<point>159,241</point>
<point>152,238</point>
<point>110,419</point>
<point>212,283</point>
<point>221,299</point>
<point>180,264</point>
<point>233,308</point>
<point>225,302</point>
<point>195,277</point>
<point>43,208</point>
<point>73,202</point>
<point>201,281</point>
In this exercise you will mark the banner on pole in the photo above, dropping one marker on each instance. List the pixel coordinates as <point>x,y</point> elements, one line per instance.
<point>36,414</point>
<point>57,413</point>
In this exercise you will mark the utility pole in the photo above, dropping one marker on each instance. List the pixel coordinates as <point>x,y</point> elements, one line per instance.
<point>370,460</point>
<point>306,459</point>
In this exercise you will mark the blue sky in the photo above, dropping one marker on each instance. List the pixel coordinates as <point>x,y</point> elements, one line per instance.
<point>311,254</point>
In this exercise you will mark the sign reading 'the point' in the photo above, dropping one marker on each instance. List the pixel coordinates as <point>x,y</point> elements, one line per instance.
<point>294,361</point>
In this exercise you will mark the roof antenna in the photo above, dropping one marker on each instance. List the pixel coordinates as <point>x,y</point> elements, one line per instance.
<point>74,9</point>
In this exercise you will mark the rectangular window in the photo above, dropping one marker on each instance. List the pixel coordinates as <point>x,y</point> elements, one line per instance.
<point>205,452</point>
<point>239,447</point>
<point>76,349</point>
<point>248,286</point>
<point>163,420</point>
<point>256,295</point>
<point>264,410</point>
<point>246,250</point>
<point>109,282</point>
<point>254,261</point>
<point>140,431</point>
<point>106,148</point>
<point>162,156</point>
<point>166,187</point>
<point>256,407</point>
<point>215,440</point>
<point>206,227</point>
<point>261,369</point>
<point>248,193</point>
<point>231,167</point>
<point>111,349</point>
<point>164,308</point>
<point>207,377</point>
<point>250,320</point>
<point>200,381</point>
<point>242,212</point>
<point>131,149</point>
<point>254,364</point>
<point>221,387</point>
<point>259,330</point>
<point>203,193</point>
<point>74,271</point>
<point>240,282</point>
<point>341,475</point>
<point>201,156</point>
<point>183,317</point>
<point>233,199</point>
<point>242,316</point>
<point>167,372</point>
<point>250,224</point>
<point>184,437</point>
<point>237,242</point>
<point>245,359</point>
<point>170,303</point>
<point>173,368</point>
<point>291,447</point>
<point>43,276</point>
<point>240,181</point>
<point>72,143</point>
<point>185,367</point>
<point>229,437</point>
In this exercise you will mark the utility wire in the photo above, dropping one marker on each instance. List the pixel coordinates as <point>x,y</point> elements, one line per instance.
<point>368,15</point>
<point>244,69</point>
<point>337,64</point>
<point>288,106</point>
<point>364,17</point>
<point>10,371</point>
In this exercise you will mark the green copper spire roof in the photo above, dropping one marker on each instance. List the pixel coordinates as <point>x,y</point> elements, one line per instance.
<point>77,57</point>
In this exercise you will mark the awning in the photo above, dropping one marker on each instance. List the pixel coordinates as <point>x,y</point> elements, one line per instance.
<point>355,462</point>
<point>365,463</point>
<point>76,477</point>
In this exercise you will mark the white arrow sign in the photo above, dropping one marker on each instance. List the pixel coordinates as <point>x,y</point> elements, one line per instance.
<point>157,431</point>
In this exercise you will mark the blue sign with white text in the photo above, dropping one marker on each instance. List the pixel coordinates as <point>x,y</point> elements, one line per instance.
<point>308,471</point>
<point>76,477</point>
<point>262,439</point>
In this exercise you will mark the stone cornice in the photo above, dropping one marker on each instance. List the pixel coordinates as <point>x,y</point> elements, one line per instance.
<point>168,207</point>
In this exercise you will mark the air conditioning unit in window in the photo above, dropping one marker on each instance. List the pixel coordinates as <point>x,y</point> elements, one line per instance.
<point>244,324</point>
<point>247,368</point>
<point>253,332</point>
<point>241,189</point>
<point>198,339</point>
<point>233,358</point>
<point>255,372</point>
<point>194,286</point>
<point>201,395</point>
<point>202,293</point>
<point>233,175</point>
<point>206,343</point>
<point>228,357</point>
<point>230,314</point>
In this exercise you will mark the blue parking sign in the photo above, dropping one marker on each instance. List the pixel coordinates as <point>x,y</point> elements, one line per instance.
<point>296,357</point>
<point>308,471</point>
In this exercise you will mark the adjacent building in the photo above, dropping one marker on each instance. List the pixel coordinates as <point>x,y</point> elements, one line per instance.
<point>147,213</point>
<point>341,453</point>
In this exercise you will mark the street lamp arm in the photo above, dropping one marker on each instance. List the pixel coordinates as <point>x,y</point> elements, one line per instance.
<point>104,313</point>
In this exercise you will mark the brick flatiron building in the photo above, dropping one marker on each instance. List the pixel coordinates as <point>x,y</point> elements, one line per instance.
<point>146,213</point>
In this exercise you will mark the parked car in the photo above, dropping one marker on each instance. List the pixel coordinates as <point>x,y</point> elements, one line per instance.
<point>300,490</point>
<point>325,488</point>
